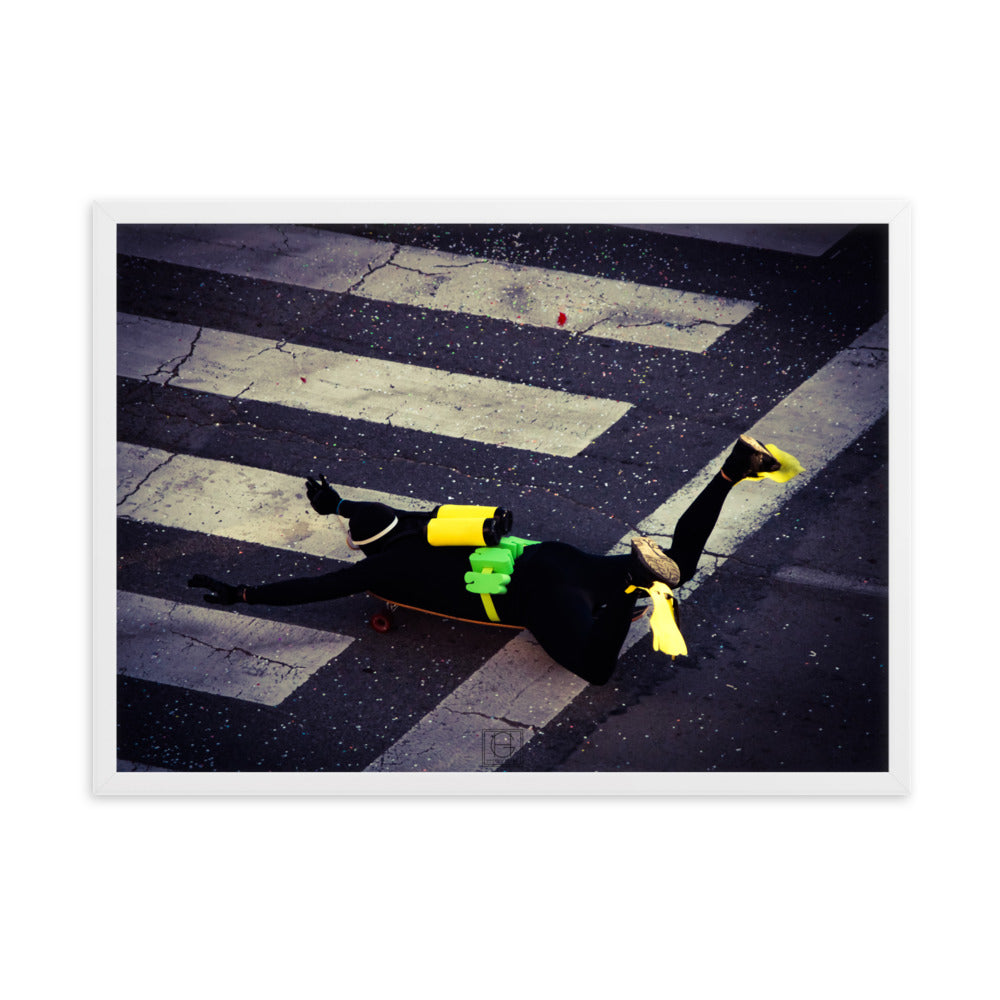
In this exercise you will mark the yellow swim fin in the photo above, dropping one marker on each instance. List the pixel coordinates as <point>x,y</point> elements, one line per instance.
<point>788,469</point>
<point>667,636</point>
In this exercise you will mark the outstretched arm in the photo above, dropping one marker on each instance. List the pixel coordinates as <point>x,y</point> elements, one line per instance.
<point>306,590</point>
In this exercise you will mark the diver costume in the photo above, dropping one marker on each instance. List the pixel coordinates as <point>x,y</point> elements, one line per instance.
<point>574,603</point>
<point>577,605</point>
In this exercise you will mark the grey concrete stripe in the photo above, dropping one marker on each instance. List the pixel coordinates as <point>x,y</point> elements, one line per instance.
<point>218,652</point>
<point>337,262</point>
<point>235,501</point>
<point>490,411</point>
<point>815,422</point>
<point>805,576</point>
<point>522,690</point>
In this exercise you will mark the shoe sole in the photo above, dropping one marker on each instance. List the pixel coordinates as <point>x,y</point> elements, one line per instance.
<point>763,452</point>
<point>656,561</point>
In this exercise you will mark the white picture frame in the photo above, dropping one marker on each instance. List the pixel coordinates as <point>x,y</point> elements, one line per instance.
<point>684,217</point>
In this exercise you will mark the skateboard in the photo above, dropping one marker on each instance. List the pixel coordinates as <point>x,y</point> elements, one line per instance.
<point>383,620</point>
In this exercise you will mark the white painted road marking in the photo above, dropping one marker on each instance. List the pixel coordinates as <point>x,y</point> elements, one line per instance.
<point>433,279</point>
<point>815,423</point>
<point>347,385</point>
<point>218,652</point>
<point>521,688</point>
<point>236,501</point>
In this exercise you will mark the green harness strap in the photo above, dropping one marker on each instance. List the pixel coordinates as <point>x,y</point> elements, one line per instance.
<point>492,567</point>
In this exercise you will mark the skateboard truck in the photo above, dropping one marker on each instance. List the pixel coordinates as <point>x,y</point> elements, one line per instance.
<point>381,621</point>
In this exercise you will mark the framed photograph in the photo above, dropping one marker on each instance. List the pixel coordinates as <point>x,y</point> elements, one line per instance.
<point>550,498</point>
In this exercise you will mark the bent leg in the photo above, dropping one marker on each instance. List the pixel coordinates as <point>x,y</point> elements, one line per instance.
<point>588,645</point>
<point>575,605</point>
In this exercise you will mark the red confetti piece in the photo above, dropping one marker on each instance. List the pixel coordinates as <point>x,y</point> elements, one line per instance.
<point>562,318</point>
<point>302,378</point>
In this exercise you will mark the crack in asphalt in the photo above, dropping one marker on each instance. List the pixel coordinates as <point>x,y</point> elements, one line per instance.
<point>353,289</point>
<point>278,345</point>
<point>439,279</point>
<point>284,240</point>
<point>491,718</point>
<point>139,485</point>
<point>623,324</point>
<point>229,650</point>
<point>177,361</point>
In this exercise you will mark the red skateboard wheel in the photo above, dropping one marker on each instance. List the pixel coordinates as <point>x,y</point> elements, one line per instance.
<point>381,621</point>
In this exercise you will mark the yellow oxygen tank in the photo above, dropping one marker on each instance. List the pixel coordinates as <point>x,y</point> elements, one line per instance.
<point>468,524</point>
<point>475,531</point>
<point>466,511</point>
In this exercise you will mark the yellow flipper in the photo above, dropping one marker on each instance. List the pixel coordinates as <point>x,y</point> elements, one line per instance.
<point>667,636</point>
<point>788,469</point>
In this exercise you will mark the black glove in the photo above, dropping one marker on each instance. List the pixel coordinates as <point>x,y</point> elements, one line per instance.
<point>223,593</point>
<point>323,497</point>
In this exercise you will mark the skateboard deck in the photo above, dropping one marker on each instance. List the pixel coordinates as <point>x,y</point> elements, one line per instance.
<point>382,620</point>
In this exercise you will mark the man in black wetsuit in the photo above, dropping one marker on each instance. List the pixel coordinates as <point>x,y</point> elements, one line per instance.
<point>577,605</point>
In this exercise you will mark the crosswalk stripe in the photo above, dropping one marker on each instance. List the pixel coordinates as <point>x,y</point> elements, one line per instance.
<point>235,501</point>
<point>433,279</point>
<point>520,689</point>
<point>814,422</point>
<point>218,652</point>
<point>486,410</point>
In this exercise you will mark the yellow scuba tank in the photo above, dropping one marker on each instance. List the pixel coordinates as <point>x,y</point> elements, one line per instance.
<point>468,510</point>
<point>467,524</point>
<point>462,531</point>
